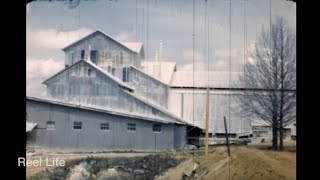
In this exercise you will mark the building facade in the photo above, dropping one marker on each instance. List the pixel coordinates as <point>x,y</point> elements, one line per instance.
<point>103,101</point>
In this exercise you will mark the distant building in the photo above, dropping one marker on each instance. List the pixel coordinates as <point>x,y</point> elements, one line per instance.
<point>262,131</point>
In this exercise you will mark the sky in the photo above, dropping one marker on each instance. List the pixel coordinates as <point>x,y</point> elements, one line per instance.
<point>52,25</point>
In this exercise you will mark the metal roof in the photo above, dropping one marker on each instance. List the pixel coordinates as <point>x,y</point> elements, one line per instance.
<point>132,46</point>
<point>147,74</point>
<point>158,108</point>
<point>30,126</point>
<point>160,70</point>
<point>104,110</point>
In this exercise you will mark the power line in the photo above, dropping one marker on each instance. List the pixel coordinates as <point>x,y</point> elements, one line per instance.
<point>230,5</point>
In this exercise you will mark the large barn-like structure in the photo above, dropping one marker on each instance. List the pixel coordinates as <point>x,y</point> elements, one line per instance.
<point>109,98</point>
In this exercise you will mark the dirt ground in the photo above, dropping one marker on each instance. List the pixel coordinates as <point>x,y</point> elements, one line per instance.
<point>256,162</point>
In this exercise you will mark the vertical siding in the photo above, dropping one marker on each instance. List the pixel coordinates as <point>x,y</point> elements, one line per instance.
<point>104,45</point>
<point>147,87</point>
<point>218,108</point>
<point>75,86</point>
<point>91,138</point>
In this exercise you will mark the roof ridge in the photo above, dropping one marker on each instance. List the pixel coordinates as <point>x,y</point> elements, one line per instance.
<point>102,32</point>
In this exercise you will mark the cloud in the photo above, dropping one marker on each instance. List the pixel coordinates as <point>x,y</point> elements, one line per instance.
<point>53,39</point>
<point>220,60</point>
<point>42,67</point>
<point>37,71</point>
<point>187,55</point>
<point>126,36</point>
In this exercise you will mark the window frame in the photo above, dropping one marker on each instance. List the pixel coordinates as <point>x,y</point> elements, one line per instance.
<point>159,127</point>
<point>50,128</point>
<point>82,56</point>
<point>131,126</point>
<point>81,125</point>
<point>104,123</point>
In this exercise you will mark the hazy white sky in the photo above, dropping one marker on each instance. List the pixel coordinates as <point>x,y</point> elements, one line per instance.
<point>53,25</point>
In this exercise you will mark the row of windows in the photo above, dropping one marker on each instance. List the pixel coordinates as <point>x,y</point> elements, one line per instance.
<point>104,126</point>
<point>94,56</point>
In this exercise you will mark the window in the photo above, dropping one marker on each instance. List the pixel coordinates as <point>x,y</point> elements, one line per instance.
<point>77,125</point>
<point>121,58</point>
<point>94,56</point>
<point>113,71</point>
<point>156,128</point>
<point>131,127</point>
<point>51,125</point>
<point>82,54</point>
<point>104,126</point>
<point>109,69</point>
<point>125,74</point>
<point>89,72</point>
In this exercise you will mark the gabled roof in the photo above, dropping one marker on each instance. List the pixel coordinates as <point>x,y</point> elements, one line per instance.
<point>132,46</point>
<point>102,110</point>
<point>179,120</point>
<point>137,69</point>
<point>119,82</point>
<point>162,71</point>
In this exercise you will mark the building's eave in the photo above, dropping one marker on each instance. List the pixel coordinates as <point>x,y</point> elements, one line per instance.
<point>96,109</point>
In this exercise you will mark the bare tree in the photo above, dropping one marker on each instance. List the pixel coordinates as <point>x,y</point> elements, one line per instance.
<point>270,80</point>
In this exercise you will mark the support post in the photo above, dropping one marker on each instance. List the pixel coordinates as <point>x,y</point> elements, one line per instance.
<point>227,137</point>
<point>207,125</point>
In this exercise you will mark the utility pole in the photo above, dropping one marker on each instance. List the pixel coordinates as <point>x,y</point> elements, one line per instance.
<point>207,98</point>
<point>207,125</point>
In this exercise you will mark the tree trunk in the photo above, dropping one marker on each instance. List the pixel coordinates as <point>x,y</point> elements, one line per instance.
<point>275,134</point>
<point>281,137</point>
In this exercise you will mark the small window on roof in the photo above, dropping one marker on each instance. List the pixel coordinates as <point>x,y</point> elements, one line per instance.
<point>89,72</point>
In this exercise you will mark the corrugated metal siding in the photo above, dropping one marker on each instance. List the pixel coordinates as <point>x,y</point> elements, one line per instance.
<point>75,86</point>
<point>90,138</point>
<point>104,45</point>
<point>181,104</point>
<point>148,87</point>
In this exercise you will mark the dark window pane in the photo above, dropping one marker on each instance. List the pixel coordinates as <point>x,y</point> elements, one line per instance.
<point>82,54</point>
